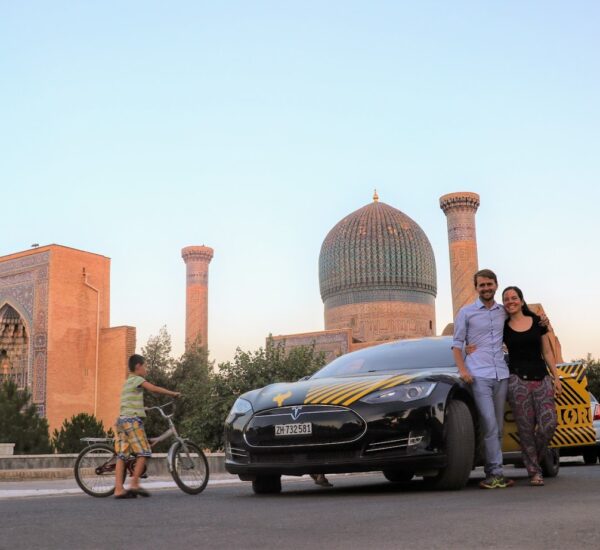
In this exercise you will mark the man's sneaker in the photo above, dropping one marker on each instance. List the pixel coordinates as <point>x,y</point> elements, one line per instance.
<point>496,482</point>
<point>508,482</point>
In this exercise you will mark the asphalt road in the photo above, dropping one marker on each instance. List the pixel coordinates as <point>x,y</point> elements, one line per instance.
<point>362,511</point>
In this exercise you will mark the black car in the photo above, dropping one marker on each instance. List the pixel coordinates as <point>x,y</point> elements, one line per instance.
<point>400,408</point>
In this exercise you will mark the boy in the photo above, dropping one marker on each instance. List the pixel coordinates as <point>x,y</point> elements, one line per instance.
<point>131,437</point>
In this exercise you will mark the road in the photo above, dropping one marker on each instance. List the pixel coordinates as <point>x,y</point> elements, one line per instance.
<point>363,511</point>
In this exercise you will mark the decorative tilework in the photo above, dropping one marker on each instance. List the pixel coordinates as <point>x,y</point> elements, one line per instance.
<point>377,247</point>
<point>24,285</point>
<point>332,344</point>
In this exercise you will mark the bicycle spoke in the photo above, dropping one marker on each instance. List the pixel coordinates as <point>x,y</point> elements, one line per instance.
<point>94,460</point>
<point>190,468</point>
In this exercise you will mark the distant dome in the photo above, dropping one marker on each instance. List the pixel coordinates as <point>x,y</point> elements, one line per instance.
<point>377,253</point>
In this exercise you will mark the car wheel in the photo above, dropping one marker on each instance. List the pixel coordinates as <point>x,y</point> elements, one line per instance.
<point>551,463</point>
<point>267,485</point>
<point>590,456</point>
<point>398,476</point>
<point>459,444</point>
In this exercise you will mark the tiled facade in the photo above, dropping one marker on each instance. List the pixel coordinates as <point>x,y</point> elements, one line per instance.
<point>377,276</point>
<point>66,323</point>
<point>378,282</point>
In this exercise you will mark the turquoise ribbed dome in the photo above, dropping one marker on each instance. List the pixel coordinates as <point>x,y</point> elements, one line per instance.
<point>377,251</point>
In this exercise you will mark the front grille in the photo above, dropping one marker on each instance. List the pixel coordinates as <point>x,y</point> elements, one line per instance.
<point>302,458</point>
<point>330,425</point>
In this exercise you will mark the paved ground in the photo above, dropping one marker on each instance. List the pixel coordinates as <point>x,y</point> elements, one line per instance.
<point>362,511</point>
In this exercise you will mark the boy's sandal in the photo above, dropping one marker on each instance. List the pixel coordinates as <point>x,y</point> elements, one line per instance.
<point>536,481</point>
<point>126,494</point>
<point>140,492</point>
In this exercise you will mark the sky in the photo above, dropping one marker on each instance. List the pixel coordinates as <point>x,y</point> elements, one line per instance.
<point>133,129</point>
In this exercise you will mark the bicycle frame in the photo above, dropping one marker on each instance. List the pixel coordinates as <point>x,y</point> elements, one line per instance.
<point>153,441</point>
<point>170,432</point>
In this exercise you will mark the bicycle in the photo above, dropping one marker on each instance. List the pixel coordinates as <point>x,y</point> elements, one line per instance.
<point>96,464</point>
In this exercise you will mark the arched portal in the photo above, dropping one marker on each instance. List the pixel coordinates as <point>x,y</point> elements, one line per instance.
<point>14,347</point>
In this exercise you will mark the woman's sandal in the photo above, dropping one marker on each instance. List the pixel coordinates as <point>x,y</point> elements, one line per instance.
<point>140,492</point>
<point>536,481</point>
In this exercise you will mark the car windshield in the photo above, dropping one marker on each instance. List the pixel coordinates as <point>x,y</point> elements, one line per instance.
<point>399,356</point>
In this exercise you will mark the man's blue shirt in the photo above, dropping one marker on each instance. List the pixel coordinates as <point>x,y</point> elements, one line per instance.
<point>476,324</point>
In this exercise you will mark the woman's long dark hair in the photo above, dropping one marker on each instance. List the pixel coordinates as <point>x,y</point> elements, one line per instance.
<point>525,307</point>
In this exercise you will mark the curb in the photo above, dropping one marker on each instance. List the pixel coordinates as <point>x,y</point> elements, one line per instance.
<point>26,467</point>
<point>26,475</point>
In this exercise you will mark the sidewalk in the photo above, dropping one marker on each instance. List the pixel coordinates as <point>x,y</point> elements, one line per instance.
<point>53,487</point>
<point>56,487</point>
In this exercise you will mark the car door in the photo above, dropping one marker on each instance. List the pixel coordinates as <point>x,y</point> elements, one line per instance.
<point>573,412</point>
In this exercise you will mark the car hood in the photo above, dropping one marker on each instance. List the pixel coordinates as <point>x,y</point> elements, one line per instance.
<point>327,391</point>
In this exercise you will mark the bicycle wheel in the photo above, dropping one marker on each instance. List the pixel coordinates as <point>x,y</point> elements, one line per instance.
<point>95,470</point>
<point>190,468</point>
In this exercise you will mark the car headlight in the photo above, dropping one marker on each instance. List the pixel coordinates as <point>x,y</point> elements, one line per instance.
<point>240,408</point>
<point>404,393</point>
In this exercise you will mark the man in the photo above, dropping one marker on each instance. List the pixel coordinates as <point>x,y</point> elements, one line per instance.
<point>481,326</point>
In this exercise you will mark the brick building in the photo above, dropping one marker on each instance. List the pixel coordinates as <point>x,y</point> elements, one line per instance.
<point>55,334</point>
<point>377,276</point>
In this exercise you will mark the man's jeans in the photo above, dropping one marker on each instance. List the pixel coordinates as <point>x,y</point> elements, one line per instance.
<point>490,396</point>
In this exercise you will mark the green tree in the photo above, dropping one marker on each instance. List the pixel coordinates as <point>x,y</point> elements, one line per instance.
<point>593,374</point>
<point>20,422</point>
<point>160,367</point>
<point>247,371</point>
<point>193,377</point>
<point>67,440</point>
<point>209,393</point>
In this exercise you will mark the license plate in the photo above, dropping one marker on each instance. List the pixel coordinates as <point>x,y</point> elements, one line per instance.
<point>305,428</point>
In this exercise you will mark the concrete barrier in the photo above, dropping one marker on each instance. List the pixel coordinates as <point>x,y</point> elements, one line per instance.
<point>7,448</point>
<point>21,467</point>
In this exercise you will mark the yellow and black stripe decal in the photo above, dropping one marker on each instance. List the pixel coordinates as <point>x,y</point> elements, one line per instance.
<point>573,408</point>
<point>573,412</point>
<point>347,393</point>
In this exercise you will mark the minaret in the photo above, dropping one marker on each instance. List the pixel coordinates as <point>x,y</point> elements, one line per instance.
<point>196,259</point>
<point>460,209</point>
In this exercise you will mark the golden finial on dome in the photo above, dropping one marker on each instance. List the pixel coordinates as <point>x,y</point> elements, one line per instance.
<point>375,196</point>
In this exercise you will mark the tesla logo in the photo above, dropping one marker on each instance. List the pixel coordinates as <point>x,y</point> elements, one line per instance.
<point>296,411</point>
<point>280,398</point>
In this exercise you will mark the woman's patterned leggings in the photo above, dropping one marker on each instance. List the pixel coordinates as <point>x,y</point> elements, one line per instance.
<point>532,403</point>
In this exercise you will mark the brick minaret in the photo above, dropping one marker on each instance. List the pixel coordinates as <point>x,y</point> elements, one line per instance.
<point>460,209</point>
<point>196,259</point>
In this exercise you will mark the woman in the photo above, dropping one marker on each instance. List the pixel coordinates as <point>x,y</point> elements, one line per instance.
<point>531,389</point>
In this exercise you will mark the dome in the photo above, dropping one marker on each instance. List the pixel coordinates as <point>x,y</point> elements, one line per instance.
<point>377,253</point>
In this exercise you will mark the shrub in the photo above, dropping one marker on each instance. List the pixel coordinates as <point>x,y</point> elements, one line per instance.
<point>68,439</point>
<point>20,423</point>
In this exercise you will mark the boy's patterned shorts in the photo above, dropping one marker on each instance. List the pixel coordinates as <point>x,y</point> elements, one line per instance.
<point>131,438</point>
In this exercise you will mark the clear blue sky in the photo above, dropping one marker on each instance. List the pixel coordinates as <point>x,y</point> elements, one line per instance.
<point>133,129</point>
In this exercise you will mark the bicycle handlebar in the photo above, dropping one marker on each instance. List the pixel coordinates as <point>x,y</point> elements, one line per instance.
<point>160,408</point>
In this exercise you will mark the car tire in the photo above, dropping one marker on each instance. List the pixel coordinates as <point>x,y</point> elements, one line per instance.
<point>459,445</point>
<point>590,456</point>
<point>398,476</point>
<point>551,463</point>
<point>267,485</point>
